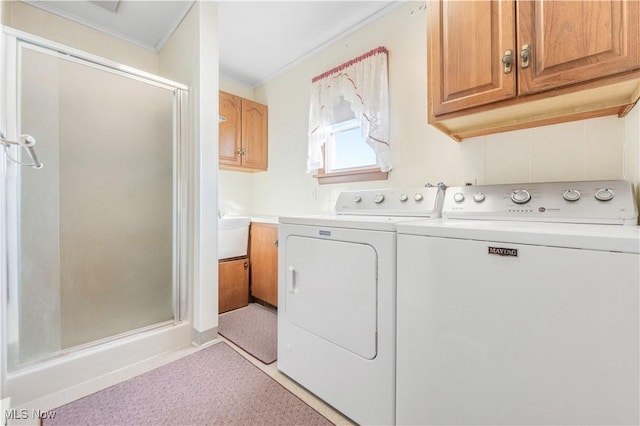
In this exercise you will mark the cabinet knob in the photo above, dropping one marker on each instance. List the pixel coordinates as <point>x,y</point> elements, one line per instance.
<point>275,243</point>
<point>525,56</point>
<point>507,61</point>
<point>246,265</point>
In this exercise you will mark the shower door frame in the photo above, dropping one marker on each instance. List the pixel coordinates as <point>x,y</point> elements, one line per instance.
<point>12,41</point>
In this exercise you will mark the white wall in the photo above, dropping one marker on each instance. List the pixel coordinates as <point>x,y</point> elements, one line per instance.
<point>589,149</point>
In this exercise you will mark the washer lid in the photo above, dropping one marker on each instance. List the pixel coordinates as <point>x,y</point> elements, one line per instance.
<point>372,223</point>
<point>590,237</point>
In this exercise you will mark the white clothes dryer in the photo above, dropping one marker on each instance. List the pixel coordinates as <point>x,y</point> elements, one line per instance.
<point>337,299</point>
<point>521,306</point>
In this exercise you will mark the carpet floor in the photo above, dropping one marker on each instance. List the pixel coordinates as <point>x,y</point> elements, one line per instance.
<point>214,386</point>
<point>253,328</point>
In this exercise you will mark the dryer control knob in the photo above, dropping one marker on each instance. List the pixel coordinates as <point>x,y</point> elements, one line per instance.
<point>478,197</point>
<point>604,194</point>
<point>458,197</point>
<point>418,197</point>
<point>521,196</point>
<point>357,199</point>
<point>404,197</point>
<point>378,198</point>
<point>571,195</point>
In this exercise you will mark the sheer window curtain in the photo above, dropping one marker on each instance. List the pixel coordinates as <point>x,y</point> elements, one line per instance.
<point>364,83</point>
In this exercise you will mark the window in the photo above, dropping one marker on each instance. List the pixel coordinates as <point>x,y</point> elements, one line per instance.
<point>347,158</point>
<point>346,149</point>
<point>349,123</point>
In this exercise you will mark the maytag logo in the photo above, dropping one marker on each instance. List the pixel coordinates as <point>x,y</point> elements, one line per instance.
<point>501,251</point>
<point>325,233</point>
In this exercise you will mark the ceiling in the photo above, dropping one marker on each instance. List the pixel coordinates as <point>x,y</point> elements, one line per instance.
<point>257,39</point>
<point>148,24</point>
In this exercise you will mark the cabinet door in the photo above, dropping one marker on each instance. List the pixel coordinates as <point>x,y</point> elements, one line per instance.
<point>264,262</point>
<point>233,284</point>
<point>254,135</point>
<point>229,130</point>
<point>576,41</point>
<point>467,41</point>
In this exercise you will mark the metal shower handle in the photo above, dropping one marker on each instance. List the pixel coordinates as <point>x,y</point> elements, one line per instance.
<point>32,153</point>
<point>27,142</point>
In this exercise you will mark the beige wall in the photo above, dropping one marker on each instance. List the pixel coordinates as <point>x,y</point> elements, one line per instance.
<point>589,149</point>
<point>236,88</point>
<point>191,56</point>
<point>27,18</point>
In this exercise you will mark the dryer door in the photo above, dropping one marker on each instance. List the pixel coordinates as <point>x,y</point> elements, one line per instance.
<point>331,291</point>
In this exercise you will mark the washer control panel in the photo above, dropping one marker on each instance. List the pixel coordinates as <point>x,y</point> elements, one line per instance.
<point>611,201</point>
<point>419,202</point>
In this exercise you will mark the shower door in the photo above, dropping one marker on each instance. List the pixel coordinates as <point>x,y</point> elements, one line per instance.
<point>92,248</point>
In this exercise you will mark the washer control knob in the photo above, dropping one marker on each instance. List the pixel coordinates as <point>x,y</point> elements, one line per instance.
<point>521,196</point>
<point>418,197</point>
<point>604,194</point>
<point>404,197</point>
<point>478,197</point>
<point>357,199</point>
<point>378,198</point>
<point>458,197</point>
<point>571,195</point>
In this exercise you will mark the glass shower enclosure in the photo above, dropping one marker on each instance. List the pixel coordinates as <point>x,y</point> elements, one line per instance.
<point>92,241</point>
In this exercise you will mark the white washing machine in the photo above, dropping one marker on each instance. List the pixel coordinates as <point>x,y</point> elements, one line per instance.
<point>529,315</point>
<point>337,299</point>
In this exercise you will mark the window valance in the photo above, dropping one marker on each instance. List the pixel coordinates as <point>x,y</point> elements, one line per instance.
<point>363,83</point>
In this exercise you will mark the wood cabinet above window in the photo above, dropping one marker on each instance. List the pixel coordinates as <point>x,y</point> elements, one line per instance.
<point>495,66</point>
<point>242,134</point>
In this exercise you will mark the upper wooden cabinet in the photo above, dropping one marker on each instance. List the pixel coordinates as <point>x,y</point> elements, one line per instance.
<point>498,65</point>
<point>576,41</point>
<point>229,129</point>
<point>466,69</point>
<point>242,134</point>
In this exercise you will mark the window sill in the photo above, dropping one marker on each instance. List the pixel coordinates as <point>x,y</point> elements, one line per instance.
<point>347,176</point>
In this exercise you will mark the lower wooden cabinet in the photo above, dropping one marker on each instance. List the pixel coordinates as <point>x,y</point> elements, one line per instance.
<point>233,284</point>
<point>263,250</point>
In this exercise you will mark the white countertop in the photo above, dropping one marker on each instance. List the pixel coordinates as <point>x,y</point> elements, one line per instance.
<point>265,219</point>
